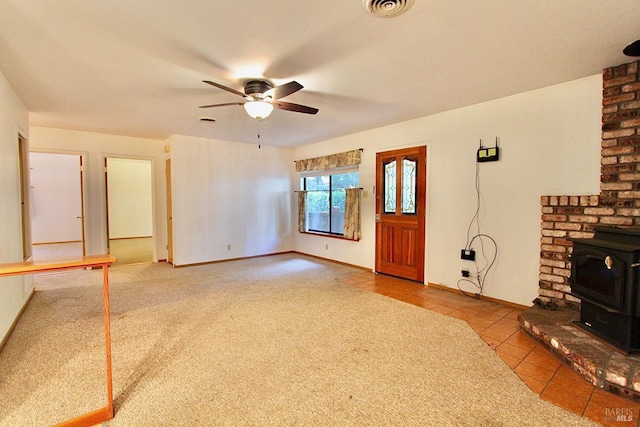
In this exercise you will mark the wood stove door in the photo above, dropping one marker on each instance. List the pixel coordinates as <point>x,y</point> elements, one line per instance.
<point>599,275</point>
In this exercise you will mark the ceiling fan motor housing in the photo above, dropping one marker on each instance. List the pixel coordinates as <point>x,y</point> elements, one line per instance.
<point>256,87</point>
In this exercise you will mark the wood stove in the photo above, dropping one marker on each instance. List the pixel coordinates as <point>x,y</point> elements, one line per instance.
<point>604,275</point>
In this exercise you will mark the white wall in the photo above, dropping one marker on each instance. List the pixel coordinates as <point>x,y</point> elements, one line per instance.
<point>14,120</point>
<point>56,203</point>
<point>550,144</point>
<point>94,148</point>
<point>130,202</point>
<point>229,193</point>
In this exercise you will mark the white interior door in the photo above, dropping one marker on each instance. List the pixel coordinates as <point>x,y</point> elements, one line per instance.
<point>56,205</point>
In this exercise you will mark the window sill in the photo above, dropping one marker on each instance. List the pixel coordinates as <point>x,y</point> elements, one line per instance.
<point>333,236</point>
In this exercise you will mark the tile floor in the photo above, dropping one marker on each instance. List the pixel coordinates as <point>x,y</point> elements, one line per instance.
<point>498,326</point>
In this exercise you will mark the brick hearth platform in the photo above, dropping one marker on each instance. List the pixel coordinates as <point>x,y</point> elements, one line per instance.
<point>597,361</point>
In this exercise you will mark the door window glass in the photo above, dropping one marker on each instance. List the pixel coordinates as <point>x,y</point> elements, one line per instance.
<point>390,187</point>
<point>409,168</point>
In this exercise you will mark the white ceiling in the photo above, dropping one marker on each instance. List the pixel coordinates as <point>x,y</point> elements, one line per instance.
<point>133,67</point>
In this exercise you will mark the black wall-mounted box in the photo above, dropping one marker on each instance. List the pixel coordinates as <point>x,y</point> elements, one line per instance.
<point>468,254</point>
<point>488,154</point>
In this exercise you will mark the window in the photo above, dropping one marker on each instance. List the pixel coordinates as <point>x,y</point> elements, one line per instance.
<point>325,200</point>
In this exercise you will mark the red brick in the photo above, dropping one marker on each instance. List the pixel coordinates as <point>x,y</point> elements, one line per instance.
<point>628,212</point>
<point>616,151</point>
<point>618,133</point>
<point>616,220</point>
<point>556,218</point>
<point>629,194</point>
<point>625,97</point>
<point>553,263</point>
<point>554,248</point>
<point>561,288</point>
<point>616,186</point>
<point>568,226</point>
<point>599,211</point>
<point>619,81</point>
<point>630,123</point>
<point>551,294</point>
<point>584,219</point>
<point>634,105</point>
<point>554,233</point>
<point>630,176</point>
<point>580,235</point>
<point>562,272</point>
<point>631,87</point>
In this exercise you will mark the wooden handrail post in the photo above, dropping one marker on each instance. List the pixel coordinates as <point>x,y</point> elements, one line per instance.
<point>29,267</point>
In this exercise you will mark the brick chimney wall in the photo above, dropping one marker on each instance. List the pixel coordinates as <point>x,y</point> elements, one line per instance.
<point>618,203</point>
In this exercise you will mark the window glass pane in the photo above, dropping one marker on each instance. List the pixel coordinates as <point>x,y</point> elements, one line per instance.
<point>390,187</point>
<point>409,186</point>
<point>326,200</point>
<point>337,211</point>
<point>317,182</point>
<point>318,211</point>
<point>345,180</point>
<point>340,181</point>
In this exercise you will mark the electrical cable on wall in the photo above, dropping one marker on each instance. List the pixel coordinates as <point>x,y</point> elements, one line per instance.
<point>478,279</point>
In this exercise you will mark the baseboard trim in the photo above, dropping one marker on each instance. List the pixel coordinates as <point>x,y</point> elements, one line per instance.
<point>229,259</point>
<point>359,267</point>
<point>131,238</point>
<point>57,243</point>
<point>15,321</point>
<point>272,254</point>
<point>482,297</point>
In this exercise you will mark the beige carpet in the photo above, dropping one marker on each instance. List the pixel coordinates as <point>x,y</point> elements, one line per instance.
<point>132,250</point>
<point>269,341</point>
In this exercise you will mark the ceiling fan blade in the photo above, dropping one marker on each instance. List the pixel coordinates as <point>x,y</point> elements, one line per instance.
<point>283,90</point>
<point>289,106</point>
<point>221,105</point>
<point>228,89</point>
<point>632,49</point>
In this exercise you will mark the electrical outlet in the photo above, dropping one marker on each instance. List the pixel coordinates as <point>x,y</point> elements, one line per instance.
<point>326,247</point>
<point>228,247</point>
<point>465,273</point>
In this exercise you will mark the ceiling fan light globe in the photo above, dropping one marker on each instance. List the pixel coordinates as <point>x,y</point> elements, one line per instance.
<point>258,109</point>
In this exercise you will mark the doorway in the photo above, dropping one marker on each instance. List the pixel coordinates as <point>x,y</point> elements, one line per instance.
<point>57,205</point>
<point>167,171</point>
<point>129,201</point>
<point>401,181</point>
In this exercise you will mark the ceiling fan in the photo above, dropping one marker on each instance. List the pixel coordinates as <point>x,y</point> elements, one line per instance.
<point>632,49</point>
<point>261,97</point>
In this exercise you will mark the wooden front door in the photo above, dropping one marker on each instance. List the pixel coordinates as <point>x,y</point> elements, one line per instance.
<point>401,180</point>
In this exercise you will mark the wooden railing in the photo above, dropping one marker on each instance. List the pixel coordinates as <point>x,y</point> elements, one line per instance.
<point>103,414</point>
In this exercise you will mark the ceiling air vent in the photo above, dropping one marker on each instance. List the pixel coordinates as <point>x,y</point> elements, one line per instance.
<point>387,8</point>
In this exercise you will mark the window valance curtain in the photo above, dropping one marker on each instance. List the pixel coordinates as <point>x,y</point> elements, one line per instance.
<point>332,161</point>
